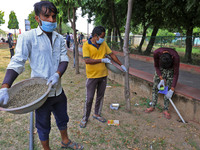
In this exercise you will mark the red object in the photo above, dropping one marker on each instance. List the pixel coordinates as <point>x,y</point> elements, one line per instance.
<point>19,31</point>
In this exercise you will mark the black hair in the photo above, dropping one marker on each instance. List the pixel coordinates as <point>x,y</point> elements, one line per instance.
<point>166,61</point>
<point>49,7</point>
<point>98,30</point>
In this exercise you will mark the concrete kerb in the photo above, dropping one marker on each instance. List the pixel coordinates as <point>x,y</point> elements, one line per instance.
<point>186,99</point>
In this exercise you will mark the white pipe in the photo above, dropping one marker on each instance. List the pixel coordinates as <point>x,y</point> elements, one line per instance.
<point>176,110</point>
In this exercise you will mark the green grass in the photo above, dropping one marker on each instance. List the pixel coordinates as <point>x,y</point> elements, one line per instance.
<point>182,49</point>
<point>194,50</point>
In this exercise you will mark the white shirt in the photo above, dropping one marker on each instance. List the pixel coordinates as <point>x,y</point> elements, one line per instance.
<point>43,57</point>
<point>71,36</point>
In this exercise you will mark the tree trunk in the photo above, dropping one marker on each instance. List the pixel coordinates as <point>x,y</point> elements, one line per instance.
<point>73,24</point>
<point>109,35</point>
<point>60,25</point>
<point>188,51</point>
<point>126,54</point>
<point>151,41</point>
<point>115,23</point>
<point>76,43</point>
<point>114,39</point>
<point>143,38</point>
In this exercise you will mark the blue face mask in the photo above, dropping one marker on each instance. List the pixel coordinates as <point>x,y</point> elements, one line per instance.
<point>100,40</point>
<point>48,26</point>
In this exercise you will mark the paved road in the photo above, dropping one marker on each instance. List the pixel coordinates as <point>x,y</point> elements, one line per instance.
<point>185,77</point>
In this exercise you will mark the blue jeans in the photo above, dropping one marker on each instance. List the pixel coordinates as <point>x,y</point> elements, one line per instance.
<point>58,106</point>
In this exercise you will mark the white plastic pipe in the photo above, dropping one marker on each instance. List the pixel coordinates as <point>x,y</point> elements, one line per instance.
<point>176,110</point>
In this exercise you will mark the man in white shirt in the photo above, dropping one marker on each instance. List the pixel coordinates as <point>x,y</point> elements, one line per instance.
<point>47,55</point>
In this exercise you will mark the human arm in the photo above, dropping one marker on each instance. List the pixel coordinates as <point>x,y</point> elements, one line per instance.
<point>156,56</point>
<point>86,55</point>
<point>61,67</point>
<point>9,78</point>
<point>114,57</point>
<point>55,77</point>
<point>91,61</point>
<point>176,64</point>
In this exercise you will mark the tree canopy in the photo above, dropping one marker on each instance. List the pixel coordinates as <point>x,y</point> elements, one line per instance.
<point>13,22</point>
<point>33,22</point>
<point>2,21</point>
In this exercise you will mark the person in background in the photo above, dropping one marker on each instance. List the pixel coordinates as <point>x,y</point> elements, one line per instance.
<point>94,54</point>
<point>48,59</point>
<point>71,38</point>
<point>11,44</point>
<point>81,38</point>
<point>166,63</point>
<point>68,40</point>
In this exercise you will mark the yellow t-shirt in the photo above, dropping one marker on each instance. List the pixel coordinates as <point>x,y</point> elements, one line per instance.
<point>91,51</point>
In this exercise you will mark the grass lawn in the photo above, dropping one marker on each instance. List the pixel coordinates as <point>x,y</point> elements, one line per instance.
<point>195,50</point>
<point>136,131</point>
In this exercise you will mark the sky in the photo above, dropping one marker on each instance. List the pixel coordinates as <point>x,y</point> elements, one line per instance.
<point>23,8</point>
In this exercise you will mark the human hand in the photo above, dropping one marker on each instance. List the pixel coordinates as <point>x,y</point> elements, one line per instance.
<point>162,82</point>
<point>53,79</point>
<point>169,94</point>
<point>123,68</point>
<point>4,97</point>
<point>106,60</point>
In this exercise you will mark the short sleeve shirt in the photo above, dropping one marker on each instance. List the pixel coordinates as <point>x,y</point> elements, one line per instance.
<point>90,50</point>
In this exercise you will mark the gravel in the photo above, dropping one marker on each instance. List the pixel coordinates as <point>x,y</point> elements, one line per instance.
<point>27,95</point>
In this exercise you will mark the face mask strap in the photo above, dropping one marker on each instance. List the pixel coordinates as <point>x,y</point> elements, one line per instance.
<point>40,23</point>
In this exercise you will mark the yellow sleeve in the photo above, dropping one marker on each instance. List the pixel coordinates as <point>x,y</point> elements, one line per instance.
<point>86,53</point>
<point>108,50</point>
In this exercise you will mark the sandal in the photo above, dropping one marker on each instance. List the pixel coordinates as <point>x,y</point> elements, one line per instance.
<point>148,110</point>
<point>83,123</point>
<point>72,145</point>
<point>166,115</point>
<point>101,119</point>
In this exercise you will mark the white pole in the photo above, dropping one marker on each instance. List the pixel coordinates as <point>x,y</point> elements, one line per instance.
<point>176,110</point>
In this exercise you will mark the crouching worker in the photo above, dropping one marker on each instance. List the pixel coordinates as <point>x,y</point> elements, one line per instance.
<point>166,63</point>
<point>47,55</point>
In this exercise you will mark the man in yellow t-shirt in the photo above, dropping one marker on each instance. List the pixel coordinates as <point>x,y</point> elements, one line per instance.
<point>94,52</point>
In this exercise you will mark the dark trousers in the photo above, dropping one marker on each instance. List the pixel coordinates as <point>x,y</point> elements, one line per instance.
<point>11,53</point>
<point>58,106</point>
<point>92,85</point>
<point>68,44</point>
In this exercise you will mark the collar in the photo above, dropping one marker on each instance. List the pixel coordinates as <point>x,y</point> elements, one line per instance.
<point>90,42</point>
<point>39,32</point>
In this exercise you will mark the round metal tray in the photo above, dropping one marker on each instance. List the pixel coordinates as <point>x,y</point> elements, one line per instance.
<point>114,67</point>
<point>30,106</point>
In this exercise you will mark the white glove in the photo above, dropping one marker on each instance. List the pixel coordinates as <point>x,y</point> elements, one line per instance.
<point>4,97</point>
<point>53,79</point>
<point>162,82</point>
<point>106,60</point>
<point>123,68</point>
<point>169,94</point>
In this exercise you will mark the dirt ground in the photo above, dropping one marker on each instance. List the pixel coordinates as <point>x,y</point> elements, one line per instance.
<point>136,131</point>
